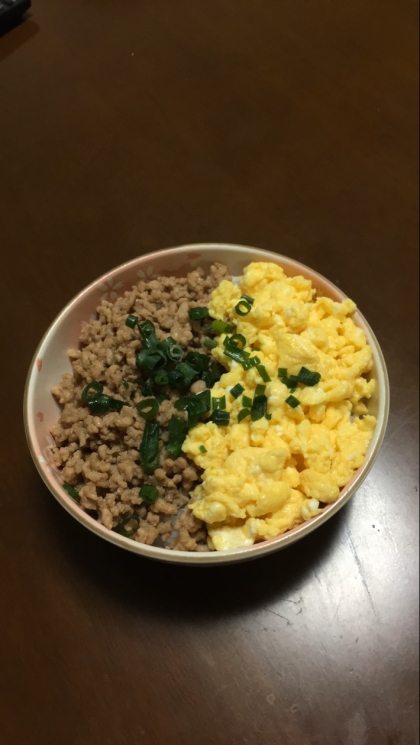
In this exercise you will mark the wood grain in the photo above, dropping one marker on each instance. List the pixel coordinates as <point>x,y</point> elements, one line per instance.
<point>124,128</point>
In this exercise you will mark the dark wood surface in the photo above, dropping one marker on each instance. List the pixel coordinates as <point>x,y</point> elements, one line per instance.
<point>132,126</point>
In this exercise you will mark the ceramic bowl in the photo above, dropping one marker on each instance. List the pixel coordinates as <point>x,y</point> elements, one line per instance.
<point>51,360</point>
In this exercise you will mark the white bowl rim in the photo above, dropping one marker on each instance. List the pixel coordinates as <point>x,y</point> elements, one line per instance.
<point>262,548</point>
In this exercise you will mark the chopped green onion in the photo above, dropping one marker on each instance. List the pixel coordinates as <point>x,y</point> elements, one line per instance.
<point>71,491</point>
<point>292,401</point>
<point>177,380</point>
<point>131,321</point>
<point>282,372</point>
<point>149,361</point>
<point>172,350</point>
<point>115,404</point>
<point>218,404</point>
<point>147,391</point>
<point>243,413</point>
<point>259,407</point>
<point>146,328</point>
<point>252,362</point>
<point>246,402</point>
<point>95,386</point>
<point>199,362</point>
<point>125,384</point>
<point>99,404</point>
<point>307,377</point>
<point>290,382</point>
<point>264,374</point>
<point>161,378</point>
<point>129,526</point>
<point>234,341</point>
<point>237,390</point>
<point>161,398</point>
<point>210,343</point>
<point>187,371</point>
<point>221,327</point>
<point>197,314</point>
<point>220,417</point>
<point>213,375</point>
<point>202,449</point>
<point>196,406</point>
<point>177,432</point>
<point>149,493</point>
<point>268,417</point>
<point>259,389</point>
<point>149,448</point>
<point>243,308</point>
<point>237,354</point>
<point>249,300</point>
<point>148,408</point>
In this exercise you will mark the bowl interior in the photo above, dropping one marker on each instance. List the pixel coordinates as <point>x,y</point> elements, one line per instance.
<point>51,361</point>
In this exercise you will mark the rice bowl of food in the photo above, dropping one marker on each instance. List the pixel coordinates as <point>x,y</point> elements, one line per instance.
<point>206,404</point>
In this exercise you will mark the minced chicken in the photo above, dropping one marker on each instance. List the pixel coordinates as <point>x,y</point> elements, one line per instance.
<point>99,454</point>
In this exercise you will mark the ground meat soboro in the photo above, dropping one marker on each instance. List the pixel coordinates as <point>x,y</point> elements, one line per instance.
<point>99,454</point>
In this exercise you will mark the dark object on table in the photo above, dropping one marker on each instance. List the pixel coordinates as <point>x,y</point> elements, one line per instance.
<point>11,11</point>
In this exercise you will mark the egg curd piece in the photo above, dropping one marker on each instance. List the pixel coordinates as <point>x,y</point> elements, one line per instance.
<point>263,477</point>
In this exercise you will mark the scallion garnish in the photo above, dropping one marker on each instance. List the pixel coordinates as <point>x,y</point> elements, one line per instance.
<point>149,493</point>
<point>129,526</point>
<point>220,417</point>
<point>221,327</point>
<point>177,432</point>
<point>161,378</point>
<point>188,372</point>
<point>249,300</point>
<point>146,390</point>
<point>100,403</point>
<point>259,407</point>
<point>125,384</point>
<point>210,343</point>
<point>237,354</point>
<point>177,380</point>
<point>237,390</point>
<point>264,374</point>
<point>198,361</point>
<point>149,448</point>
<point>213,375</point>
<point>131,321</point>
<point>307,377</point>
<point>93,386</point>
<point>171,349</point>
<point>202,449</point>
<point>150,360</point>
<point>243,413</point>
<point>246,402</point>
<point>218,403</point>
<point>195,406</point>
<point>161,398</point>
<point>197,314</point>
<point>71,491</point>
<point>148,408</point>
<point>146,328</point>
<point>282,372</point>
<point>243,308</point>
<point>251,362</point>
<point>292,401</point>
<point>268,417</point>
<point>259,389</point>
<point>237,341</point>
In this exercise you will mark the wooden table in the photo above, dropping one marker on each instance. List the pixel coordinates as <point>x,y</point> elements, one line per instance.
<point>132,126</point>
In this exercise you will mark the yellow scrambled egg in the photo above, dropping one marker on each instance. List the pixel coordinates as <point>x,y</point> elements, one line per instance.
<point>263,477</point>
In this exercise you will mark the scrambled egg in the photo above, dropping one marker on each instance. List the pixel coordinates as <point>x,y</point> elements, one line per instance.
<point>261,478</point>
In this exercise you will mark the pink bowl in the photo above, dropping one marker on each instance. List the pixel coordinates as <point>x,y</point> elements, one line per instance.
<point>51,360</point>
